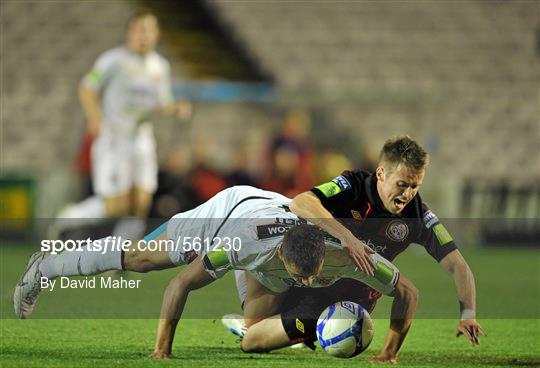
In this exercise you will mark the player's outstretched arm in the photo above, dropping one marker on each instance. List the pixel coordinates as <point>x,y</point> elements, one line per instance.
<point>405,301</point>
<point>192,277</point>
<point>457,267</point>
<point>306,205</point>
<point>91,106</point>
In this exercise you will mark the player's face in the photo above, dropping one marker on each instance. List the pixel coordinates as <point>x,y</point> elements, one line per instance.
<point>306,280</point>
<point>398,187</point>
<point>143,34</point>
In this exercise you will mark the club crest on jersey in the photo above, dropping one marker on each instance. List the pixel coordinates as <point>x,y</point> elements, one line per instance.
<point>397,230</point>
<point>356,215</point>
<point>342,182</point>
<point>430,219</point>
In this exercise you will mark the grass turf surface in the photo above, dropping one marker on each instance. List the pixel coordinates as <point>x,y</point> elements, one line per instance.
<point>508,299</point>
<point>127,343</point>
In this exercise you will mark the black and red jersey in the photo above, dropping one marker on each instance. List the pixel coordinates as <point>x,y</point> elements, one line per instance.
<point>352,198</point>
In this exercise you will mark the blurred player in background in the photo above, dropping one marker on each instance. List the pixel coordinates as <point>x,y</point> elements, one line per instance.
<point>126,88</point>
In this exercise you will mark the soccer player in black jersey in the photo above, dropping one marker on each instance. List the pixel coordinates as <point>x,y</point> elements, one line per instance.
<point>380,212</point>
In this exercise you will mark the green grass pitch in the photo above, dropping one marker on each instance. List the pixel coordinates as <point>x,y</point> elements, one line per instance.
<point>508,302</point>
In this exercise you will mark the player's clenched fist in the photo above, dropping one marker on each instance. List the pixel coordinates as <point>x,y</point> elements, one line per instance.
<point>472,330</point>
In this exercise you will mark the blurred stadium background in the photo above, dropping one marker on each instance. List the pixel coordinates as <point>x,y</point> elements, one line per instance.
<point>288,94</point>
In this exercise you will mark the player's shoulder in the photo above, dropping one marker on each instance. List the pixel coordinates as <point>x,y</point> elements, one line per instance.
<point>421,210</point>
<point>352,177</point>
<point>357,174</point>
<point>160,59</point>
<point>428,216</point>
<point>112,56</point>
<point>115,52</point>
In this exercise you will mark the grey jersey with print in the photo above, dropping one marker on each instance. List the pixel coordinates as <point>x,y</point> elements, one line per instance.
<point>337,264</point>
<point>259,220</point>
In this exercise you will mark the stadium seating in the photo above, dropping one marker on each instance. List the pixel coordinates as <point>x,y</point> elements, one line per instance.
<point>461,75</point>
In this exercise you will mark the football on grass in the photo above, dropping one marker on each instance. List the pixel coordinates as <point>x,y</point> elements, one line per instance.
<point>344,329</point>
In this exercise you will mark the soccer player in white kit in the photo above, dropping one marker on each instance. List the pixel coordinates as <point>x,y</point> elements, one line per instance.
<point>126,87</point>
<point>241,228</point>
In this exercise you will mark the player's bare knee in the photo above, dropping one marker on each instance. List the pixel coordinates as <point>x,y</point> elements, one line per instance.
<point>256,340</point>
<point>252,344</point>
<point>118,207</point>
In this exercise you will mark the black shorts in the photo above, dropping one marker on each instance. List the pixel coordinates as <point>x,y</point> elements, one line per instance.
<point>303,306</point>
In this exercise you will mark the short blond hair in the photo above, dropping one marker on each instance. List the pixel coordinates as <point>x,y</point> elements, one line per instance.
<point>141,13</point>
<point>403,149</point>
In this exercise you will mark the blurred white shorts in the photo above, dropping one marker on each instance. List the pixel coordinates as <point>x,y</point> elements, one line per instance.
<point>119,163</point>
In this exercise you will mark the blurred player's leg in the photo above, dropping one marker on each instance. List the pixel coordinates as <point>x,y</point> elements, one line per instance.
<point>117,205</point>
<point>142,160</point>
<point>142,199</point>
<point>133,227</point>
<point>87,212</point>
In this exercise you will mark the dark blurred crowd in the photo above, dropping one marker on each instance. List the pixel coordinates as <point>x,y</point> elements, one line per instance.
<point>289,165</point>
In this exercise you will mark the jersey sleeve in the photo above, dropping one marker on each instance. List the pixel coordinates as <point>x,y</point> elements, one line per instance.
<point>385,275</point>
<point>433,236</point>
<point>338,192</point>
<point>101,71</point>
<point>216,263</point>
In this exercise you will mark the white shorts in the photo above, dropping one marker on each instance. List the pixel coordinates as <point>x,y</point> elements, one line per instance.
<point>241,285</point>
<point>119,164</point>
<point>204,221</point>
<point>271,283</point>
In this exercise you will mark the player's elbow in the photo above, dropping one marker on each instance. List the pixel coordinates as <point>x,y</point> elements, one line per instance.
<point>181,283</point>
<point>86,93</point>
<point>83,90</point>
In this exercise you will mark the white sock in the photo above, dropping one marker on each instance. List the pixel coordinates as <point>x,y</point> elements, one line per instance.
<point>82,262</point>
<point>130,228</point>
<point>90,211</point>
<point>92,207</point>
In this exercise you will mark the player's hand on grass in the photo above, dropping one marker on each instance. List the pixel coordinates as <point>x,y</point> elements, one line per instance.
<point>360,253</point>
<point>161,355</point>
<point>472,330</point>
<point>384,358</point>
